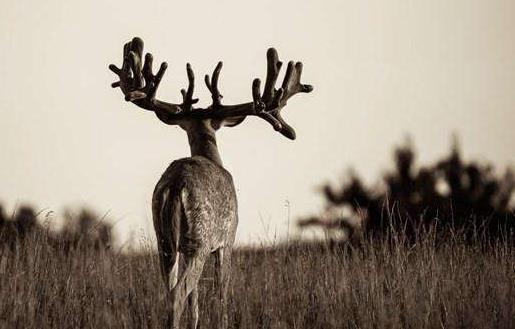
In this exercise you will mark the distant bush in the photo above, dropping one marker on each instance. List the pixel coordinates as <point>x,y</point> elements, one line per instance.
<point>81,229</point>
<point>450,194</point>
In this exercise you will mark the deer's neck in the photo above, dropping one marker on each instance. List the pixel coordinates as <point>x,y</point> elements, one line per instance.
<point>202,140</point>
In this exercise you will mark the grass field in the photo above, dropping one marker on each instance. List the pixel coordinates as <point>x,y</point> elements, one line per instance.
<point>384,284</point>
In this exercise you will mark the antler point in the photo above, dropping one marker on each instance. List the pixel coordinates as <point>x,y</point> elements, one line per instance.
<point>307,88</point>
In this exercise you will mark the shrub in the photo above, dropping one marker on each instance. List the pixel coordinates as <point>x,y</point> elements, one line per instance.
<point>448,194</point>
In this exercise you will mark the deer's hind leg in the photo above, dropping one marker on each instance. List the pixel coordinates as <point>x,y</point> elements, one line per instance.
<point>223,268</point>
<point>193,305</point>
<point>169,260</point>
<point>187,285</point>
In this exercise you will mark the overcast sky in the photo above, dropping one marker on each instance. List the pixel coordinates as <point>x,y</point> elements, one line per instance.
<point>381,70</point>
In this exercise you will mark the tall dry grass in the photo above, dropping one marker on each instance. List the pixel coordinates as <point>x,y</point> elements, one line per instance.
<point>376,284</point>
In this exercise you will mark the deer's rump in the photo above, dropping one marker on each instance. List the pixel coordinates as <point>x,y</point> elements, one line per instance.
<point>194,206</point>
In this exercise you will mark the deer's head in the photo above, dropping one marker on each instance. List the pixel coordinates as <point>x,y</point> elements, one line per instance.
<point>139,85</point>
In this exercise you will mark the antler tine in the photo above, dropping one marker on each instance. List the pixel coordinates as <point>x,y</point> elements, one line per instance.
<point>291,83</point>
<point>152,81</point>
<point>126,50</point>
<point>287,76</point>
<point>160,74</point>
<point>273,68</point>
<point>124,73</point>
<point>135,55</point>
<point>259,106</point>
<point>212,85</point>
<point>147,67</point>
<point>187,96</point>
<point>286,129</point>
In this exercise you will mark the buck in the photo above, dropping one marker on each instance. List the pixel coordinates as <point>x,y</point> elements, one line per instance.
<point>194,203</point>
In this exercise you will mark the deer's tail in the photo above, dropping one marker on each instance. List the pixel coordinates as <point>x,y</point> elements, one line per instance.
<point>167,211</point>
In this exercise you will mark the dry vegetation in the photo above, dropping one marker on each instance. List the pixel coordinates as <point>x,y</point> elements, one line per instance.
<point>386,284</point>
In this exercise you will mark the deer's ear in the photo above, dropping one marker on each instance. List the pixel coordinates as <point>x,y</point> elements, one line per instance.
<point>227,122</point>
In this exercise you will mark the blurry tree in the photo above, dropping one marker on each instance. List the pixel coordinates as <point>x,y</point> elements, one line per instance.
<point>24,221</point>
<point>86,229</point>
<point>450,193</point>
<point>82,229</point>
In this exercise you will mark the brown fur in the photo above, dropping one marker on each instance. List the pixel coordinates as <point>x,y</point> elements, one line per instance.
<point>201,212</point>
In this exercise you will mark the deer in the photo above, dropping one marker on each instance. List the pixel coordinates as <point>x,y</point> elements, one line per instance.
<point>194,205</point>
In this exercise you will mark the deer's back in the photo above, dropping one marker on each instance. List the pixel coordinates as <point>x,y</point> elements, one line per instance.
<point>205,192</point>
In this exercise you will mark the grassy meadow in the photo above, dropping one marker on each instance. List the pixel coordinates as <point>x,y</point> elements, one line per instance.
<point>381,284</point>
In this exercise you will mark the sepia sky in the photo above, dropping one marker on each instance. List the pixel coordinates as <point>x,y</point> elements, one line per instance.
<point>381,70</point>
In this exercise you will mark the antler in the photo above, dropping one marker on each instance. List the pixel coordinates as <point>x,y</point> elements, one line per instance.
<point>139,86</point>
<point>273,100</point>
